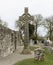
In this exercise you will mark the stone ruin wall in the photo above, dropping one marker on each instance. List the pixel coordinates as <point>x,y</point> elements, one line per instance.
<point>8,43</point>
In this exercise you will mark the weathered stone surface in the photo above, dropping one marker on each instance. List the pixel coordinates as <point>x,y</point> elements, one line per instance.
<point>26,18</point>
<point>39,54</point>
<point>49,49</point>
<point>8,41</point>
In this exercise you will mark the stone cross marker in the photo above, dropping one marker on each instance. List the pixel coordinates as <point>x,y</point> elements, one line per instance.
<point>26,18</point>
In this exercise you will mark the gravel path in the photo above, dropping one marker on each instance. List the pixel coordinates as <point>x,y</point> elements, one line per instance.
<point>13,58</point>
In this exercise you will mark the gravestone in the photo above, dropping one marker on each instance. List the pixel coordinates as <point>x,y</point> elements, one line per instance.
<point>31,42</point>
<point>49,49</point>
<point>39,54</point>
<point>26,18</point>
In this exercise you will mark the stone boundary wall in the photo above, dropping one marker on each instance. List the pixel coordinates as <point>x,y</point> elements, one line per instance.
<point>8,41</point>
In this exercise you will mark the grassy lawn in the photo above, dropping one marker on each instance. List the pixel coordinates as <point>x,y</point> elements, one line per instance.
<point>48,61</point>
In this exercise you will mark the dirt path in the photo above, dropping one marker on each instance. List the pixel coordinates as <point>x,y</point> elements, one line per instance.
<point>13,58</point>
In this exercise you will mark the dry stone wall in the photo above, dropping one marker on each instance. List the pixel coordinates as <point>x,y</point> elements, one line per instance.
<point>8,42</point>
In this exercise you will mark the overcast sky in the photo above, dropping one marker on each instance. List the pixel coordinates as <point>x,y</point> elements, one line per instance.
<point>10,10</point>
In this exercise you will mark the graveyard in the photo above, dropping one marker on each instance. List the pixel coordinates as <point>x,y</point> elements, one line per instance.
<point>48,61</point>
<point>43,51</point>
<point>26,47</point>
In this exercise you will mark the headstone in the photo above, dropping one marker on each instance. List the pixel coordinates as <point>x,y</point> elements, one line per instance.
<point>31,42</point>
<point>39,54</point>
<point>48,42</point>
<point>49,49</point>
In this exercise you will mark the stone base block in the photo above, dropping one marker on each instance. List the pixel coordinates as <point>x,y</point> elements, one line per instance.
<point>26,51</point>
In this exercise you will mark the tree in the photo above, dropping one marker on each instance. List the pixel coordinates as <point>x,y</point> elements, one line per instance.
<point>1,21</point>
<point>20,25</point>
<point>37,22</point>
<point>31,30</point>
<point>5,24</point>
<point>50,26</point>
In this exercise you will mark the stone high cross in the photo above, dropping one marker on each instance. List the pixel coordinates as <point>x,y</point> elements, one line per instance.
<point>26,18</point>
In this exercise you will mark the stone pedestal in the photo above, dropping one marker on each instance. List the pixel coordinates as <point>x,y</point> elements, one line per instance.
<point>26,51</point>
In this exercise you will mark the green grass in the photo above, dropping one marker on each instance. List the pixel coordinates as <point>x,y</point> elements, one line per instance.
<point>48,61</point>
